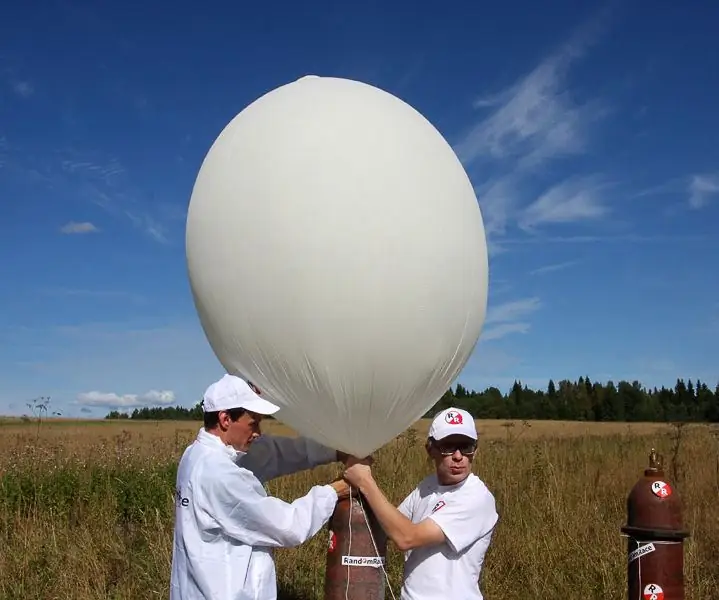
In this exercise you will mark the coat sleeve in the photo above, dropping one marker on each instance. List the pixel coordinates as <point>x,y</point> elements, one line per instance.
<point>234,501</point>
<point>274,456</point>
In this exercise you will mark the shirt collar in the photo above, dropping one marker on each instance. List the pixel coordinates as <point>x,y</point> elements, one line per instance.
<point>452,487</point>
<point>213,441</point>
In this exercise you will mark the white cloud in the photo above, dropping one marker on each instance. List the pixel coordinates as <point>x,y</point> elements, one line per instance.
<point>509,317</point>
<point>107,184</point>
<point>73,227</point>
<point>504,329</point>
<point>497,201</point>
<point>125,356</point>
<point>569,201</point>
<point>94,294</point>
<point>24,89</point>
<point>536,118</point>
<point>113,400</point>
<point>536,121</point>
<point>702,188</point>
<point>3,150</point>
<point>553,267</point>
<point>513,310</point>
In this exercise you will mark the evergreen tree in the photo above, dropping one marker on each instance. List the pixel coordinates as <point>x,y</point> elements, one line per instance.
<point>567,400</point>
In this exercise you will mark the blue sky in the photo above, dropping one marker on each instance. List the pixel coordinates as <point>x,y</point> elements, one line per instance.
<point>589,130</point>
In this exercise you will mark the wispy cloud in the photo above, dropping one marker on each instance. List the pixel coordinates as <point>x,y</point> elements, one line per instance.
<point>510,311</point>
<point>631,238</point>
<point>673,186</point>
<point>569,201</point>
<point>96,294</point>
<point>554,267</point>
<point>105,183</point>
<point>24,89</point>
<point>498,201</point>
<point>509,317</point>
<point>114,400</point>
<point>499,331</point>
<point>84,227</point>
<point>536,119</point>
<point>3,150</point>
<point>107,172</point>
<point>702,188</point>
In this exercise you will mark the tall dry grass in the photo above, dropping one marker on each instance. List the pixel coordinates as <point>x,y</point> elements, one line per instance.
<point>86,510</point>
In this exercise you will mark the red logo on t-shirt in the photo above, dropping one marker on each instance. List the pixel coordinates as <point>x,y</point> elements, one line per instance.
<point>453,418</point>
<point>437,506</point>
<point>333,541</point>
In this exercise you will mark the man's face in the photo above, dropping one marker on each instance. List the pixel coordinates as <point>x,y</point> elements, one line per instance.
<point>453,457</point>
<point>241,433</point>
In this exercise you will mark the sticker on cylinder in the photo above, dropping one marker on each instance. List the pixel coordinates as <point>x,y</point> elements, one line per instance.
<point>641,551</point>
<point>653,591</point>
<point>363,561</point>
<point>661,489</point>
<point>333,541</point>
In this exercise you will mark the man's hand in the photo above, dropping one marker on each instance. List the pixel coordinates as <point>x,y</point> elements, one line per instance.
<point>358,474</point>
<point>342,488</point>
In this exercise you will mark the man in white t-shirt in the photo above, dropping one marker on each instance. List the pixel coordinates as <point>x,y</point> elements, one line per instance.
<point>445,525</point>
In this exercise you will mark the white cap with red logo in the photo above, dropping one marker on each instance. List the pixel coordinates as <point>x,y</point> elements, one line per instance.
<point>232,392</point>
<point>453,421</point>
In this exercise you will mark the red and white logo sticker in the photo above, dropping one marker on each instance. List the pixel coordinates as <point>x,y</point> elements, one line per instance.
<point>653,591</point>
<point>661,489</point>
<point>333,541</point>
<point>453,418</point>
<point>437,506</point>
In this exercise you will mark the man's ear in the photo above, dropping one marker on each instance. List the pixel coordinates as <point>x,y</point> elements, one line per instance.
<point>223,420</point>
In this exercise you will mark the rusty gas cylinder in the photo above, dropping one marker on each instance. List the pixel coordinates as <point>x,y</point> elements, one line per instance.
<point>355,564</point>
<point>656,533</point>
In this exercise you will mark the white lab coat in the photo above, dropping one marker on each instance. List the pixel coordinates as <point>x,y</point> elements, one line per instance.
<point>225,523</point>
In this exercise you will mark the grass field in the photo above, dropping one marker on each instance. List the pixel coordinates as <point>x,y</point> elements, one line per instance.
<point>86,508</point>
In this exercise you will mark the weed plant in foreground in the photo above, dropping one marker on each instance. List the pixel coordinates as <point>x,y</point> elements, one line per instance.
<point>86,510</point>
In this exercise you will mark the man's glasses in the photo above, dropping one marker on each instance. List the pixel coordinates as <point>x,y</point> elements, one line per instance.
<point>465,448</point>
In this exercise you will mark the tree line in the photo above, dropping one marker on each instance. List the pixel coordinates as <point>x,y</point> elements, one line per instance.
<point>581,400</point>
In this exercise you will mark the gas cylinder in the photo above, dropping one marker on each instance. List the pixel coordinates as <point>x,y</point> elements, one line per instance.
<point>356,553</point>
<point>656,534</point>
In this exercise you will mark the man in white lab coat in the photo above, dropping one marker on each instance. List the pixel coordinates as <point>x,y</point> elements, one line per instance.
<point>445,524</point>
<point>225,523</point>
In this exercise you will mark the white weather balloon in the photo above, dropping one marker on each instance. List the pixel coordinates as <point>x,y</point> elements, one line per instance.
<point>337,259</point>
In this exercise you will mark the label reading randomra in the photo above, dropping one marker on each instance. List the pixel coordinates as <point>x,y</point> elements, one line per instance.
<point>653,591</point>
<point>362,561</point>
<point>641,551</point>
<point>661,489</point>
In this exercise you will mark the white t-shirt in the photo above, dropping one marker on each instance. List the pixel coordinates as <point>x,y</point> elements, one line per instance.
<point>467,514</point>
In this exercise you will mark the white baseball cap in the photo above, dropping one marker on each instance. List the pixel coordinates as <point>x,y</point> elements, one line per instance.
<point>453,421</point>
<point>233,392</point>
